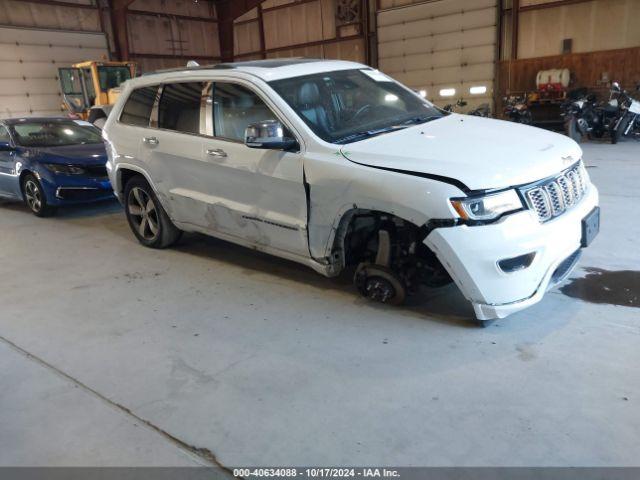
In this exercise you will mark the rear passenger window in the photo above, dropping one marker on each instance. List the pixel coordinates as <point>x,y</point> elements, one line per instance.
<point>179,107</point>
<point>137,109</point>
<point>235,107</point>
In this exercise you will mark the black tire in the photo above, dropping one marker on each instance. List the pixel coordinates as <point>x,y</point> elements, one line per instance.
<point>571,127</point>
<point>148,221</point>
<point>617,132</point>
<point>526,118</point>
<point>35,198</point>
<point>484,323</point>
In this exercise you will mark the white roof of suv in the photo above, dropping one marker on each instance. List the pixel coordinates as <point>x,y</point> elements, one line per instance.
<point>275,69</point>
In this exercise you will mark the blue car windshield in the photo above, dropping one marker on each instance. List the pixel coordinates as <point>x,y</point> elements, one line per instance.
<point>349,105</point>
<point>55,133</point>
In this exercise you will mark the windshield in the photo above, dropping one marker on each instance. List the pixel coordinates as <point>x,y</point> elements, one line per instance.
<point>349,105</point>
<point>112,77</point>
<point>55,133</point>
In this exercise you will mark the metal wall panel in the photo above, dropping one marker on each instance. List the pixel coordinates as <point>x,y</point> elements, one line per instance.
<point>29,62</point>
<point>440,44</point>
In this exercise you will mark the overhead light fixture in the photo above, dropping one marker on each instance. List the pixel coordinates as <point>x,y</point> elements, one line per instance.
<point>478,90</point>
<point>422,93</point>
<point>447,92</point>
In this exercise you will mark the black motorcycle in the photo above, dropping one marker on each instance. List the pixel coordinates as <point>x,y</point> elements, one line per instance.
<point>451,107</point>
<point>628,119</point>
<point>585,117</point>
<point>482,110</point>
<point>516,110</point>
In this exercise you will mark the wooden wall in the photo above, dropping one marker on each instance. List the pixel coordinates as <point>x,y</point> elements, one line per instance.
<point>292,28</point>
<point>27,14</point>
<point>594,70</point>
<point>166,33</point>
<point>592,26</point>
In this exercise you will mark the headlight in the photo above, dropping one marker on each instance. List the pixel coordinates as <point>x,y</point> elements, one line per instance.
<point>487,207</point>
<point>65,169</point>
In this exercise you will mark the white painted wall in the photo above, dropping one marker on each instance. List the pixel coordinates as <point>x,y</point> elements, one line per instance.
<point>29,62</point>
<point>440,44</point>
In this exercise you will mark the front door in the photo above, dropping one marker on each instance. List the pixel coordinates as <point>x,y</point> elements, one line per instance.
<point>256,194</point>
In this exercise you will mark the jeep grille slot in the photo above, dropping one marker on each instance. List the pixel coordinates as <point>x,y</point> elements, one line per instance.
<point>555,196</point>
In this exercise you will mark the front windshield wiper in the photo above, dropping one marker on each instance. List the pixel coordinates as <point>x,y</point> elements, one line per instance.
<point>369,133</point>
<point>421,119</point>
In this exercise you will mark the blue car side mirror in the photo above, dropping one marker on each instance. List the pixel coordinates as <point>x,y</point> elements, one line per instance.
<point>6,147</point>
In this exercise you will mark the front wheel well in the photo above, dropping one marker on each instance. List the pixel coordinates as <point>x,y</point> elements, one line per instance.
<point>377,237</point>
<point>23,174</point>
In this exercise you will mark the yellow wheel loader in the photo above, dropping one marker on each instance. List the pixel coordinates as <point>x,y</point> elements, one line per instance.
<point>90,89</point>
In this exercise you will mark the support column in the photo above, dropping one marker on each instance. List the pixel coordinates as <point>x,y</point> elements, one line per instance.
<point>119,27</point>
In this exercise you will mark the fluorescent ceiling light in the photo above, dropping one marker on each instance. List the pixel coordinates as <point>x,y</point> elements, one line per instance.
<point>447,92</point>
<point>478,90</point>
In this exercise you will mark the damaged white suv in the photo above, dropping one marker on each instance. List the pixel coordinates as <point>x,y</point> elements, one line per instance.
<point>335,165</point>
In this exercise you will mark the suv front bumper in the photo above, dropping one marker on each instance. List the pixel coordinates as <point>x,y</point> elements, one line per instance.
<point>471,255</point>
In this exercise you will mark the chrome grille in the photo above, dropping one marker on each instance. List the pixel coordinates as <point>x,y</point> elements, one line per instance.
<point>553,197</point>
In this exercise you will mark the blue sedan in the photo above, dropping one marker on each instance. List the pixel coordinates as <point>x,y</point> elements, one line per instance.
<point>51,162</point>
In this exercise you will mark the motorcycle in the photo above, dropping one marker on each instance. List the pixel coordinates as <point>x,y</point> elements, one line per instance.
<point>450,107</point>
<point>629,118</point>
<point>585,117</point>
<point>481,111</point>
<point>516,110</point>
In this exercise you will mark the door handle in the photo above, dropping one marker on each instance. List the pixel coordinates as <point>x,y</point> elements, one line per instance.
<point>151,140</point>
<point>216,152</point>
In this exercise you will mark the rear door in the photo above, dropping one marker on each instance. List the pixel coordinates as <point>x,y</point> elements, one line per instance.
<point>172,149</point>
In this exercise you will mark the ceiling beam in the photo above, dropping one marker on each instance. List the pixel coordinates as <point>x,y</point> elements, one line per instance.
<point>57,3</point>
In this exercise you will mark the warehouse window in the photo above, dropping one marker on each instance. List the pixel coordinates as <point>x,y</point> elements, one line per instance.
<point>235,107</point>
<point>137,110</point>
<point>179,107</point>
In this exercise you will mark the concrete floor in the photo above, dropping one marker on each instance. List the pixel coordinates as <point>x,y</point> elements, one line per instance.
<point>108,349</point>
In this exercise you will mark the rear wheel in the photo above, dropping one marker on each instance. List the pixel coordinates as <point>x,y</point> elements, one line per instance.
<point>148,221</point>
<point>35,198</point>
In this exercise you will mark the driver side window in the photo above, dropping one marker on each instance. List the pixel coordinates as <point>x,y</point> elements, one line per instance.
<point>4,134</point>
<point>234,108</point>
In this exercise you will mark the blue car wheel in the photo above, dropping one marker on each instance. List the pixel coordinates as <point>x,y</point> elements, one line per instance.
<point>35,197</point>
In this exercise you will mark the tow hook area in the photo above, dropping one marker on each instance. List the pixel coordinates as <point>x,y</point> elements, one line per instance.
<point>376,281</point>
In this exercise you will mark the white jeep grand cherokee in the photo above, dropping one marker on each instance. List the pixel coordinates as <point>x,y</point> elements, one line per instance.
<point>337,166</point>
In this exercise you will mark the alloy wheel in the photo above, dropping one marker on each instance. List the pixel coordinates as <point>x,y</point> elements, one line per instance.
<point>33,195</point>
<point>144,213</point>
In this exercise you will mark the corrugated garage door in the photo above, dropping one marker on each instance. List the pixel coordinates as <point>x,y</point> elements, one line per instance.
<point>29,62</point>
<point>444,47</point>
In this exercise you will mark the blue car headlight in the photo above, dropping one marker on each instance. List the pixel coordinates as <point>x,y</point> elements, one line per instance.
<point>65,169</point>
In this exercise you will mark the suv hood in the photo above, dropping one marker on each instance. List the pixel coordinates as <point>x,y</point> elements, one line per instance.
<point>472,152</point>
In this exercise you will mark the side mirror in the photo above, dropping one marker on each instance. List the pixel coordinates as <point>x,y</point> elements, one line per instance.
<point>268,134</point>
<point>6,147</point>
